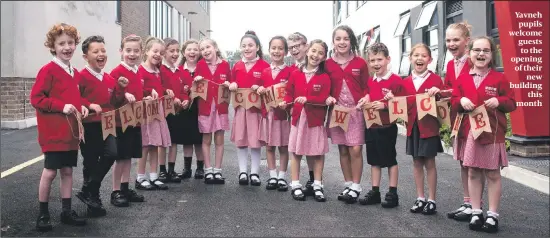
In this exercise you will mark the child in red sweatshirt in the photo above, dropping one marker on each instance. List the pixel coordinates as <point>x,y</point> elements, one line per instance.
<point>56,98</point>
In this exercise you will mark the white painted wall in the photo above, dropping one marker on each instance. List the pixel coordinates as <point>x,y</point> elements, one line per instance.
<point>385,14</point>
<point>23,50</point>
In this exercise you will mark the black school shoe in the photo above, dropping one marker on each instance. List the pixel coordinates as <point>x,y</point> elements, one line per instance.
<point>342,195</point>
<point>309,189</point>
<point>418,206</point>
<point>296,196</point>
<point>391,200</point>
<point>372,197</point>
<point>243,180</point>
<point>186,173</point>
<point>159,185</point>
<point>464,213</point>
<point>144,186</point>
<point>429,209</point>
<point>133,196</point>
<point>71,218</point>
<point>86,197</point>
<point>209,178</point>
<point>282,185</point>
<point>352,199</point>
<point>174,177</point>
<point>255,182</point>
<point>272,184</point>
<point>476,223</point>
<point>43,223</point>
<point>199,173</point>
<point>319,195</point>
<point>488,227</point>
<point>163,177</point>
<point>96,211</point>
<point>119,200</point>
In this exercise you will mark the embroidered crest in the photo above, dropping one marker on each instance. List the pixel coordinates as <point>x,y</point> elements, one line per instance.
<point>317,87</point>
<point>223,77</point>
<point>385,91</point>
<point>356,72</point>
<point>257,74</point>
<point>491,91</point>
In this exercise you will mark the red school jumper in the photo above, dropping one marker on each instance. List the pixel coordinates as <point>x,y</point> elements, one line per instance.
<point>106,93</point>
<point>222,74</point>
<point>135,85</point>
<point>377,91</point>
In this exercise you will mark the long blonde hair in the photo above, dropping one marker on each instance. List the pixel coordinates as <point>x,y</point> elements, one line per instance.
<point>213,42</point>
<point>148,44</point>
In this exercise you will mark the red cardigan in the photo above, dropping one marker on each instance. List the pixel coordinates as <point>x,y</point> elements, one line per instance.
<point>429,125</point>
<point>151,81</point>
<point>356,75</point>
<point>222,74</point>
<point>173,81</point>
<point>52,90</point>
<point>267,81</point>
<point>187,80</point>
<point>496,85</point>
<point>247,79</point>
<point>106,93</point>
<point>377,91</point>
<point>316,91</point>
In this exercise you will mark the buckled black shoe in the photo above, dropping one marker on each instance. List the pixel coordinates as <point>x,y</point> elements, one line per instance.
<point>372,197</point>
<point>158,184</point>
<point>144,185</point>
<point>319,195</point>
<point>218,178</point>
<point>418,206</point>
<point>243,180</point>
<point>43,223</point>
<point>119,200</point>
<point>342,196</point>
<point>476,222</point>
<point>391,200</point>
<point>186,173</point>
<point>96,211</point>
<point>352,196</point>
<point>464,213</point>
<point>133,196</point>
<point>429,209</point>
<point>173,177</point>
<point>71,218</point>
<point>163,177</point>
<point>256,181</point>
<point>298,196</point>
<point>272,184</point>
<point>209,178</point>
<point>488,226</point>
<point>282,185</point>
<point>309,188</point>
<point>199,173</point>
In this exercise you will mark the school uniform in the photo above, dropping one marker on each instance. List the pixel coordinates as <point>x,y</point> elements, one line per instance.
<point>129,141</point>
<point>275,126</point>
<point>308,136</point>
<point>172,78</point>
<point>188,119</point>
<point>246,122</point>
<point>213,116</point>
<point>422,135</point>
<point>154,133</point>
<point>348,86</point>
<point>488,151</point>
<point>58,135</point>
<point>455,68</point>
<point>380,140</point>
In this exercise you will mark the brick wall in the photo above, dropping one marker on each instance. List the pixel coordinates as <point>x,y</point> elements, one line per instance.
<point>135,18</point>
<point>14,98</point>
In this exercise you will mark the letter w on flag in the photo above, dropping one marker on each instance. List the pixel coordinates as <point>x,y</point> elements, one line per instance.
<point>340,117</point>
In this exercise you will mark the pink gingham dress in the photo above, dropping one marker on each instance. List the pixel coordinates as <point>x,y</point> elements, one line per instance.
<point>356,127</point>
<point>472,154</point>
<point>305,140</point>
<point>274,132</point>
<point>213,122</point>
<point>156,133</point>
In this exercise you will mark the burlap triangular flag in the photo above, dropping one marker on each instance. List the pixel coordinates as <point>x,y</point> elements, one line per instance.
<point>456,126</point>
<point>199,89</point>
<point>252,99</point>
<point>127,116</point>
<point>479,121</point>
<point>238,98</point>
<point>139,112</point>
<point>223,94</point>
<point>152,110</point>
<point>279,92</point>
<point>425,105</point>
<point>444,113</point>
<point>269,98</point>
<point>168,106</point>
<point>372,116</point>
<point>398,109</point>
<point>108,124</point>
<point>340,117</point>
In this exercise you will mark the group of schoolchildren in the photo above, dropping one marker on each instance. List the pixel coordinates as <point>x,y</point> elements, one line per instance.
<point>295,127</point>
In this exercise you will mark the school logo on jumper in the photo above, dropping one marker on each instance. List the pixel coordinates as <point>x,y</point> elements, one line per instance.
<point>223,77</point>
<point>491,91</point>
<point>317,87</point>
<point>356,72</point>
<point>257,74</point>
<point>385,91</point>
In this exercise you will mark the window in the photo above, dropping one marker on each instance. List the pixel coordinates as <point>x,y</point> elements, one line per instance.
<point>453,10</point>
<point>431,34</point>
<point>404,30</point>
<point>118,11</point>
<point>373,36</point>
<point>493,32</point>
<point>346,12</point>
<point>181,28</point>
<point>159,20</point>
<point>201,35</point>
<point>204,5</point>
<point>189,29</point>
<point>338,12</point>
<point>168,19</point>
<point>352,6</point>
<point>152,18</point>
